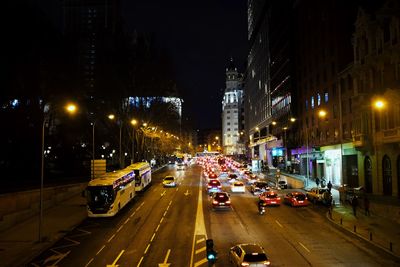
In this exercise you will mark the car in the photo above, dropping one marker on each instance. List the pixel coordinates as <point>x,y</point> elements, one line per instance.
<point>169,181</point>
<point>248,255</point>
<point>270,198</point>
<point>221,200</point>
<point>232,177</point>
<point>180,166</point>
<point>214,186</point>
<point>282,184</point>
<point>259,187</point>
<point>238,187</point>
<point>321,195</point>
<point>296,199</point>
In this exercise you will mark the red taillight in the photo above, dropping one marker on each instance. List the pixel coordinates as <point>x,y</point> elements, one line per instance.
<point>245,264</point>
<point>228,202</point>
<point>209,186</point>
<point>215,202</point>
<point>219,186</point>
<point>267,263</point>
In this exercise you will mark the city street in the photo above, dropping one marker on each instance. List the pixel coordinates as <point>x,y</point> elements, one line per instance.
<point>158,227</point>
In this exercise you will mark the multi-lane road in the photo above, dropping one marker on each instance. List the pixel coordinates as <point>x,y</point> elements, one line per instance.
<point>169,226</point>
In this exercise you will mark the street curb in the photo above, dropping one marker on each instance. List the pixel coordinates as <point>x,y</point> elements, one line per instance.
<point>344,229</point>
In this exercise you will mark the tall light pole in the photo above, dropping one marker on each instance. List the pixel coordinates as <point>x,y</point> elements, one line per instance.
<point>70,108</point>
<point>133,122</point>
<point>112,117</point>
<point>93,149</point>
<point>378,104</point>
<point>286,152</point>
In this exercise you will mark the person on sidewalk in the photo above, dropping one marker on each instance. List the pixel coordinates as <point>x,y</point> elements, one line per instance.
<point>354,204</point>
<point>329,186</point>
<point>366,205</point>
<point>317,181</point>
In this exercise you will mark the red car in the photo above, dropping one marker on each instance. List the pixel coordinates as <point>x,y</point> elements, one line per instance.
<point>270,198</point>
<point>296,199</point>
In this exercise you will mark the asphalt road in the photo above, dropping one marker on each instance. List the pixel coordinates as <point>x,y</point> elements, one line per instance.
<point>159,228</point>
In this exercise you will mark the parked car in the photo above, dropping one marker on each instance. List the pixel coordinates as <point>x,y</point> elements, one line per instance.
<point>238,187</point>
<point>321,195</point>
<point>270,198</point>
<point>221,200</point>
<point>248,255</point>
<point>295,199</point>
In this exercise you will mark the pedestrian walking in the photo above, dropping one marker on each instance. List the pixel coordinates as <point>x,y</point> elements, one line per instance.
<point>329,186</point>
<point>354,204</point>
<point>317,181</point>
<point>366,205</point>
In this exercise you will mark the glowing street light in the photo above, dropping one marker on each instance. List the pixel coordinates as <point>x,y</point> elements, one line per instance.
<point>133,122</point>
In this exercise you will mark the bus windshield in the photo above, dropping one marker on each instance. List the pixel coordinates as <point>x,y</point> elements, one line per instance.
<point>100,196</point>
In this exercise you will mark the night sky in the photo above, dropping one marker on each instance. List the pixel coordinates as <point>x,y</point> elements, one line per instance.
<point>200,36</point>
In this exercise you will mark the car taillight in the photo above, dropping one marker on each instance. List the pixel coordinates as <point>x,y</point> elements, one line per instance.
<point>215,202</point>
<point>228,202</point>
<point>245,264</point>
<point>209,186</point>
<point>278,198</point>
<point>267,263</point>
<point>219,186</point>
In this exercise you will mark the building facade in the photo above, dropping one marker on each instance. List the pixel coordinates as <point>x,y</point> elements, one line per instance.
<point>232,123</point>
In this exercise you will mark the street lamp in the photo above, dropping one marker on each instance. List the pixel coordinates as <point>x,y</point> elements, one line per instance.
<point>112,117</point>
<point>378,104</point>
<point>70,108</point>
<point>133,122</point>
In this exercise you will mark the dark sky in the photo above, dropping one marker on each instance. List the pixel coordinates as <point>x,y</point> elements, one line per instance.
<point>200,36</point>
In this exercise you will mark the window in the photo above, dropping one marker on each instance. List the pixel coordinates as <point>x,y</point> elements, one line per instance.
<point>326,97</point>
<point>228,111</point>
<point>312,102</point>
<point>306,105</point>
<point>318,99</point>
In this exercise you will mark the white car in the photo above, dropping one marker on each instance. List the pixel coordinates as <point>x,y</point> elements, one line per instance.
<point>238,187</point>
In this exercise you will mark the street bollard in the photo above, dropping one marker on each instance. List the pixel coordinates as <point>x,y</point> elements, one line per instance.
<point>341,221</point>
<point>370,236</point>
<point>355,229</point>
<point>391,246</point>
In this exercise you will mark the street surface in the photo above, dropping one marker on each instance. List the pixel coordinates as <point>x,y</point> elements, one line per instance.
<point>159,228</point>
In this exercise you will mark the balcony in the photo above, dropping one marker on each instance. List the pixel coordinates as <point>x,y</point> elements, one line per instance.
<point>389,136</point>
<point>359,140</point>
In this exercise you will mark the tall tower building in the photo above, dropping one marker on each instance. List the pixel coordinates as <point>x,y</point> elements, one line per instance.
<point>231,111</point>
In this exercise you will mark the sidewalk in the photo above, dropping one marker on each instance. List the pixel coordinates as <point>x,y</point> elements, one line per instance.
<point>19,244</point>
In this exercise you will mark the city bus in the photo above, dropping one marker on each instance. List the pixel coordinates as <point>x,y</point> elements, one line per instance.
<point>110,192</point>
<point>142,171</point>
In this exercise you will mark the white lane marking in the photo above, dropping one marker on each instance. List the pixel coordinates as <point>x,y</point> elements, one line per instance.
<point>166,256</point>
<point>119,229</point>
<point>119,256</point>
<point>152,238</point>
<point>111,238</point>
<point>162,219</point>
<point>127,220</point>
<point>158,226</point>
<point>304,247</point>
<point>279,224</point>
<point>147,248</point>
<point>140,262</point>
<point>87,264</point>
<point>100,249</point>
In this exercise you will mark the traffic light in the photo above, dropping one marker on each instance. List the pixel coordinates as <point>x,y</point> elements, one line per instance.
<point>211,253</point>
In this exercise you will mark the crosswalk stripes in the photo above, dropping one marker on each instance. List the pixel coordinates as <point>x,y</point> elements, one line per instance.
<point>199,256</point>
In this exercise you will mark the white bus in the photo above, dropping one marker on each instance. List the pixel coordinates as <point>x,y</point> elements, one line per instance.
<point>109,193</point>
<point>142,172</point>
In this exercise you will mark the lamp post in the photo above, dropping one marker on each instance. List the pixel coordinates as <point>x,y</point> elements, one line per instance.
<point>378,104</point>
<point>93,149</point>
<point>133,122</point>
<point>112,117</point>
<point>70,108</point>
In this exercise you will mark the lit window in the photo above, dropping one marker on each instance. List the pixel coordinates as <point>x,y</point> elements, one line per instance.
<point>312,102</point>
<point>326,97</point>
<point>318,99</point>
